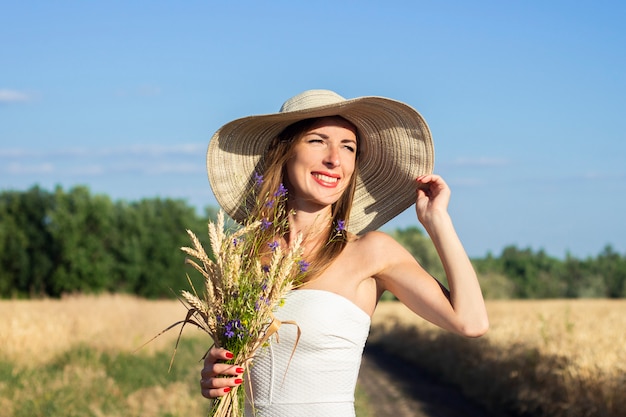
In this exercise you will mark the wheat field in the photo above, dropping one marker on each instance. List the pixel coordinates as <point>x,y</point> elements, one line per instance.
<point>83,356</point>
<point>549,357</point>
<point>539,358</point>
<point>35,331</point>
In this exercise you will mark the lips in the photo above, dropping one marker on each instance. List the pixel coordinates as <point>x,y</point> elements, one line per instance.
<point>326,179</point>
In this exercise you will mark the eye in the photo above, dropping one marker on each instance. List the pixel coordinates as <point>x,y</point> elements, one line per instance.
<point>315,141</point>
<point>351,148</point>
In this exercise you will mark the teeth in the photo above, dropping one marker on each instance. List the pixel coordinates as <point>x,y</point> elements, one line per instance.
<point>326,178</point>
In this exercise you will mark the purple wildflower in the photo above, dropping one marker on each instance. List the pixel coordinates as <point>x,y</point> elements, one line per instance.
<point>258,179</point>
<point>265,224</point>
<point>235,242</point>
<point>303,265</point>
<point>229,330</point>
<point>273,245</point>
<point>232,328</point>
<point>265,268</point>
<point>260,301</point>
<point>341,226</point>
<point>282,191</point>
<point>269,203</point>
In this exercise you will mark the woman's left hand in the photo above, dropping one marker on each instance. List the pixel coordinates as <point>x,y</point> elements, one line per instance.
<point>433,196</point>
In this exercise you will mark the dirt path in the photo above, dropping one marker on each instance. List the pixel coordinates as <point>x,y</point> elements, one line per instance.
<point>397,389</point>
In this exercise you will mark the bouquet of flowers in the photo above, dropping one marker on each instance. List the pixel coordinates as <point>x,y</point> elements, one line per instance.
<point>248,279</point>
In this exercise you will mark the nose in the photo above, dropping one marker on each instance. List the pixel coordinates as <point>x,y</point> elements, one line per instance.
<point>332,158</point>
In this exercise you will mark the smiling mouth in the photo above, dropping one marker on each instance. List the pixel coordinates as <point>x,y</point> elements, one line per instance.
<point>325,178</point>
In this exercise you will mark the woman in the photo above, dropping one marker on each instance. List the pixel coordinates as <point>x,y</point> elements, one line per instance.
<point>349,166</point>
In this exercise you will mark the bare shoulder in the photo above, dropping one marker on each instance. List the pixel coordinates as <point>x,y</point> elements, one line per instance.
<point>390,260</point>
<point>375,240</point>
<point>378,245</point>
<point>367,253</point>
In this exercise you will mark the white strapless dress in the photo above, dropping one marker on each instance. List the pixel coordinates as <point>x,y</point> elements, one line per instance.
<point>320,378</point>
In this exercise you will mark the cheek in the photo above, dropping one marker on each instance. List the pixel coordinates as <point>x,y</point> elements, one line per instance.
<point>290,171</point>
<point>350,166</point>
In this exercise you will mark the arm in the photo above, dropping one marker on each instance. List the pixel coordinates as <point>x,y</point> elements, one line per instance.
<point>218,378</point>
<point>460,310</point>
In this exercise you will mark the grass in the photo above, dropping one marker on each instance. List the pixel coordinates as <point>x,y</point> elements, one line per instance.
<point>78,357</point>
<point>540,358</point>
<point>84,381</point>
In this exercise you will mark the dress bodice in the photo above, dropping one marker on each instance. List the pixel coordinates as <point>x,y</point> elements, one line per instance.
<point>319,379</point>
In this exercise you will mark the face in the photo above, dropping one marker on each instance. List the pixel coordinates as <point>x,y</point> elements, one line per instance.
<point>322,163</point>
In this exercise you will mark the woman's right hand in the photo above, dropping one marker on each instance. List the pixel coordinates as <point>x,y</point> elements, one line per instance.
<point>218,378</point>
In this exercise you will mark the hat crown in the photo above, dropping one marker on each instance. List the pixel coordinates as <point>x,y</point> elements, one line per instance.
<point>396,147</point>
<point>311,99</point>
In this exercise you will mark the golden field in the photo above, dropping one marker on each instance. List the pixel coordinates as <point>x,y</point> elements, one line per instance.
<point>79,357</point>
<point>35,331</point>
<point>552,357</point>
<point>539,358</point>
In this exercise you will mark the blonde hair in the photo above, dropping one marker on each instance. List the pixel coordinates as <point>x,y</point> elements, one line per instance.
<point>274,176</point>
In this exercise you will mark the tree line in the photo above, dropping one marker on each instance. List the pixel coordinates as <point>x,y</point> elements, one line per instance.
<point>55,243</point>
<point>524,273</point>
<point>63,242</point>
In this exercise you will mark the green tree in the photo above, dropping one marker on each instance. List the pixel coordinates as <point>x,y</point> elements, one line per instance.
<point>421,247</point>
<point>25,264</point>
<point>81,228</point>
<point>582,280</point>
<point>160,232</point>
<point>13,254</point>
<point>612,267</point>
<point>535,275</point>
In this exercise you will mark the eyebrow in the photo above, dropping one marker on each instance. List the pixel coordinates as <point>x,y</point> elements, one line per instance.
<point>324,136</point>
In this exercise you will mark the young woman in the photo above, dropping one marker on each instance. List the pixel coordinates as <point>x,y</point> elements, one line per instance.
<point>349,166</point>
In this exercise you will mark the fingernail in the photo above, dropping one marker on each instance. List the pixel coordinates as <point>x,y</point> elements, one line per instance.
<point>229,355</point>
<point>227,389</point>
<point>239,370</point>
<point>238,381</point>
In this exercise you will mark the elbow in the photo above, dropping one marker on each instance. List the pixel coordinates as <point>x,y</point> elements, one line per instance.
<point>474,330</point>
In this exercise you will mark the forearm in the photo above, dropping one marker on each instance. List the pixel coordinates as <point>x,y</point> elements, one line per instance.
<point>465,293</point>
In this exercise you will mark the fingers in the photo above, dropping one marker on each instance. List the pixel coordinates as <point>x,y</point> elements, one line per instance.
<point>214,364</point>
<point>218,387</point>
<point>433,196</point>
<point>424,181</point>
<point>218,378</point>
<point>218,354</point>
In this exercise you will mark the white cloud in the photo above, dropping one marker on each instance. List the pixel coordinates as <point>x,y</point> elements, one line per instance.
<point>175,169</point>
<point>482,161</point>
<point>144,90</point>
<point>467,182</point>
<point>149,90</point>
<point>138,159</point>
<point>85,170</point>
<point>13,96</point>
<point>18,168</point>
<point>141,150</point>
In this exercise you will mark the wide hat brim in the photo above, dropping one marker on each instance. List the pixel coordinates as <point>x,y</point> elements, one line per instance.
<point>395,148</point>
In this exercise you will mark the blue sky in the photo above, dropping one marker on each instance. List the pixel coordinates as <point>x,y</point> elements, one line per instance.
<point>526,100</point>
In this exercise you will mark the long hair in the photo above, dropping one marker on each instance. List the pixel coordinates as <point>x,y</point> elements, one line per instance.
<point>274,176</point>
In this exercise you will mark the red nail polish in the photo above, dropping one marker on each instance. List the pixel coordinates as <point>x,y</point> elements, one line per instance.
<point>227,389</point>
<point>238,381</point>
<point>239,370</point>
<point>229,355</point>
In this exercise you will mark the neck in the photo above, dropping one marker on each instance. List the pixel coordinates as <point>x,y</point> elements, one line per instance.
<point>314,227</point>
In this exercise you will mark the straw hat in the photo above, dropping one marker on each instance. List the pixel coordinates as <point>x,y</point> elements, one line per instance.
<point>395,148</point>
